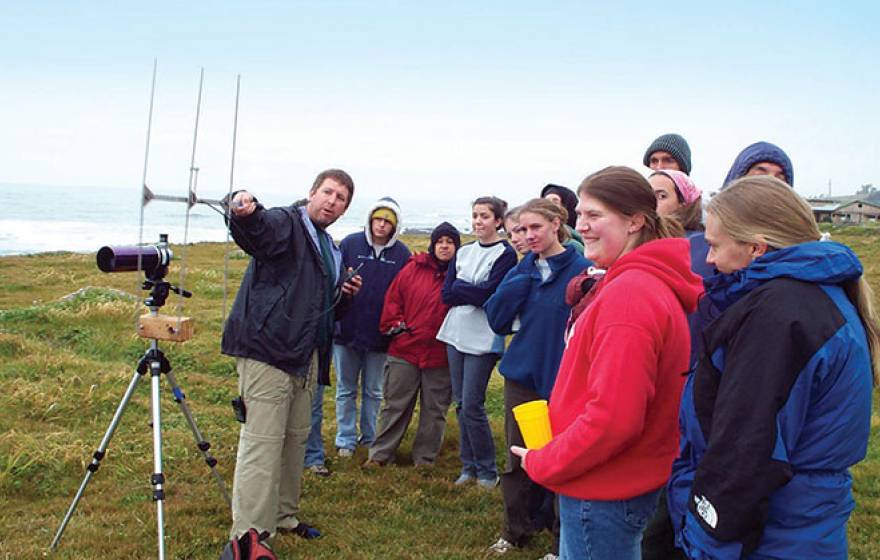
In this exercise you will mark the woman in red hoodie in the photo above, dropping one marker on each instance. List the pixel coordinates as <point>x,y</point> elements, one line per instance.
<point>614,407</point>
<point>417,365</point>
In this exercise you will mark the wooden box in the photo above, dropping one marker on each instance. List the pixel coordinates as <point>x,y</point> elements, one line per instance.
<point>165,327</point>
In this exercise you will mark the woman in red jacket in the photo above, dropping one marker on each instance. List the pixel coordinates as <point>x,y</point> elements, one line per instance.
<point>417,365</point>
<point>614,407</point>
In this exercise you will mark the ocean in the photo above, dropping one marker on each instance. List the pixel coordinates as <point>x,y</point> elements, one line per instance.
<point>42,218</point>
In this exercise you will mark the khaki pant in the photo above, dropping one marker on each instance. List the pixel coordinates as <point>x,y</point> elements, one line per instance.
<point>405,384</point>
<point>271,446</point>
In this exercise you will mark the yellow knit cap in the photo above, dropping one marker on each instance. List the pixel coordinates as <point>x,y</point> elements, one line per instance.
<point>386,214</point>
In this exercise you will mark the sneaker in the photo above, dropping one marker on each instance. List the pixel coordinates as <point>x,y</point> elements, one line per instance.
<point>549,556</point>
<point>302,530</point>
<point>319,470</point>
<point>464,478</point>
<point>502,546</point>
<point>488,483</point>
<point>343,452</point>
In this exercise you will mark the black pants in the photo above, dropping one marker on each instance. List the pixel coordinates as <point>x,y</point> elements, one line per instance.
<point>658,541</point>
<point>528,507</point>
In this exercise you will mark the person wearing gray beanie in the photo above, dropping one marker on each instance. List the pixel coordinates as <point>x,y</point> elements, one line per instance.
<point>669,151</point>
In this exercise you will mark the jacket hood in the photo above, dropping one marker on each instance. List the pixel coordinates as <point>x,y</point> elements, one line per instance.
<point>669,260</point>
<point>428,261</point>
<point>391,204</point>
<point>820,262</point>
<point>758,152</point>
<point>422,259</point>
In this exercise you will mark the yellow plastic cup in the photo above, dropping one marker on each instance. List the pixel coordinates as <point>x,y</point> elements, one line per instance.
<point>533,418</point>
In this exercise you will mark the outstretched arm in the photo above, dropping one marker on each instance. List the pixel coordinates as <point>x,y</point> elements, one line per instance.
<point>262,233</point>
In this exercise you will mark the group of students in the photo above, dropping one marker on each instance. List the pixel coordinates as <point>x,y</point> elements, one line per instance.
<point>708,367</point>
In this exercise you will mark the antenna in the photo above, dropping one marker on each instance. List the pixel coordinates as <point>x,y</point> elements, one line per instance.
<point>229,196</point>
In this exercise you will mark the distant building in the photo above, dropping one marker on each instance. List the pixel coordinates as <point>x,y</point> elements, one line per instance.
<point>845,210</point>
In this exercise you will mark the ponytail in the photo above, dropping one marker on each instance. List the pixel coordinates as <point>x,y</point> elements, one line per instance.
<point>765,208</point>
<point>627,192</point>
<point>668,226</point>
<point>861,296</point>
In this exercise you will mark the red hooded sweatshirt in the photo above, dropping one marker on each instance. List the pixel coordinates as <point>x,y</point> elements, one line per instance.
<point>614,407</point>
<point>414,298</point>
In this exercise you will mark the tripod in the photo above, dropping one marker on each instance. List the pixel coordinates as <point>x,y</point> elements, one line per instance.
<point>155,364</point>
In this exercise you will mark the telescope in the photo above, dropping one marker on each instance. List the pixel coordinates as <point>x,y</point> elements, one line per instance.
<point>152,259</point>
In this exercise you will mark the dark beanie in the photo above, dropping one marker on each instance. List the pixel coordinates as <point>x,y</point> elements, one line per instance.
<point>569,200</point>
<point>676,146</point>
<point>448,230</point>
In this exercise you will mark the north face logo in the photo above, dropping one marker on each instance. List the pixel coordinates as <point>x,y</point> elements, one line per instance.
<point>706,510</point>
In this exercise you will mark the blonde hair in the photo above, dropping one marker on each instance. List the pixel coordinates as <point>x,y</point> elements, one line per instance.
<point>764,209</point>
<point>550,211</point>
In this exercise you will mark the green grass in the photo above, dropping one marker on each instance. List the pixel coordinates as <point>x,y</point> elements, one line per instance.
<point>65,363</point>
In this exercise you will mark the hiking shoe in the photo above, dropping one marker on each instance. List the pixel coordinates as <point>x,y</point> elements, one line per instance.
<point>372,464</point>
<point>488,483</point>
<point>302,530</point>
<point>464,478</point>
<point>502,546</point>
<point>320,470</point>
<point>343,452</point>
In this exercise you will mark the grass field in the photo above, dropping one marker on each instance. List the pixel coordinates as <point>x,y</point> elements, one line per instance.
<point>65,363</point>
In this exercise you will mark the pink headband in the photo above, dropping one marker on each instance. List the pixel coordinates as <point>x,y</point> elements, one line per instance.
<point>683,184</point>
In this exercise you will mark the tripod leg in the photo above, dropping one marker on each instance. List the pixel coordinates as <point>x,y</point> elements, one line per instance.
<point>157,479</point>
<point>97,456</point>
<point>203,445</point>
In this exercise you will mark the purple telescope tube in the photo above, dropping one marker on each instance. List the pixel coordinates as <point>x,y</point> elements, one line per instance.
<point>125,259</point>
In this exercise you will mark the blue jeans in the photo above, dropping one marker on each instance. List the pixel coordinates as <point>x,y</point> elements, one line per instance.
<point>470,377</point>
<point>600,530</point>
<point>315,443</point>
<point>353,364</point>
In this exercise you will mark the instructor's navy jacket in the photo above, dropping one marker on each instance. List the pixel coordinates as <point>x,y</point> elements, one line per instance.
<point>281,299</point>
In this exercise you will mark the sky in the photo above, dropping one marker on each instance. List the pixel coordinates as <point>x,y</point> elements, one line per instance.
<point>432,101</point>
